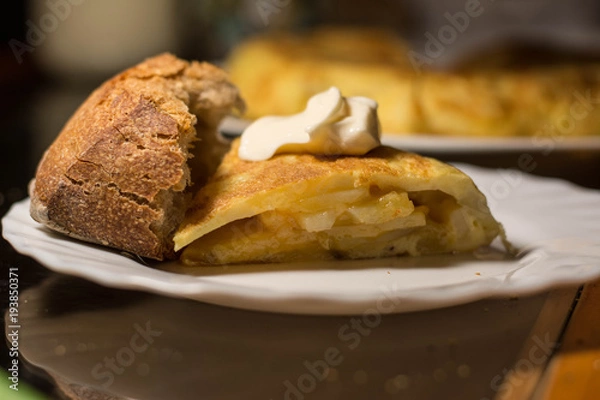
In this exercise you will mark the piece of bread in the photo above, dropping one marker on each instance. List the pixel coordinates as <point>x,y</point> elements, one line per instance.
<point>120,172</point>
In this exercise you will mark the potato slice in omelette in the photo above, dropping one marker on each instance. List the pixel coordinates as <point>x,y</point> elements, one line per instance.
<point>301,207</point>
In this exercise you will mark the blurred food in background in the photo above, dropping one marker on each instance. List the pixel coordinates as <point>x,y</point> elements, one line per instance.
<point>277,74</point>
<point>505,91</point>
<point>472,68</point>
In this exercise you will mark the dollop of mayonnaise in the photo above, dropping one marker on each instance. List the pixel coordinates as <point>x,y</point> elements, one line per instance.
<point>330,125</point>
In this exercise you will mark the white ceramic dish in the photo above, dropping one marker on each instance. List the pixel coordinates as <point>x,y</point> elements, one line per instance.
<point>446,144</point>
<point>555,223</point>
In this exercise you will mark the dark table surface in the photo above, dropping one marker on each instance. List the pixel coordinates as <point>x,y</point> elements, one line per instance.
<point>78,338</point>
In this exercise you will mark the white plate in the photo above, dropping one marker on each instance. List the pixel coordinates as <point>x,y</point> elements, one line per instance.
<point>447,144</point>
<point>557,223</point>
<point>423,142</point>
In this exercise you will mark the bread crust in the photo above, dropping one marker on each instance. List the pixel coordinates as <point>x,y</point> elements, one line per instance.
<point>117,173</point>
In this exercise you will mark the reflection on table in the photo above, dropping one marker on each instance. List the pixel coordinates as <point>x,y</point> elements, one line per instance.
<point>97,342</point>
